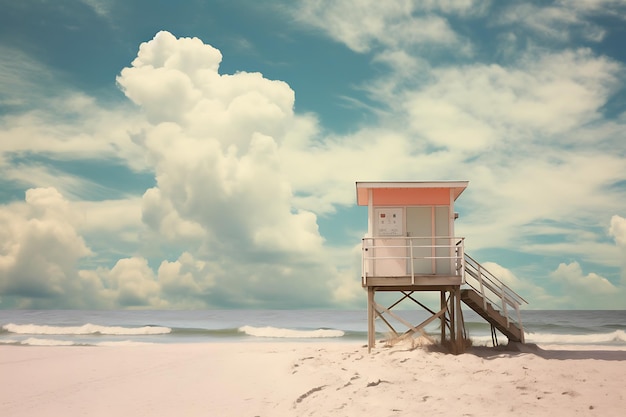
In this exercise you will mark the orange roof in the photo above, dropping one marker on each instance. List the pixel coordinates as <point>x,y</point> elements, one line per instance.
<point>409,191</point>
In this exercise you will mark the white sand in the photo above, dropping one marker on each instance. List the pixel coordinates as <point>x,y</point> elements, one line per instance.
<point>307,379</point>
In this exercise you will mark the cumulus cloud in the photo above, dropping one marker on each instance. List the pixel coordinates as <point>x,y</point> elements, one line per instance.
<point>187,281</point>
<point>536,295</point>
<point>587,289</point>
<point>216,148</point>
<point>135,283</point>
<point>43,248</point>
<point>573,287</point>
<point>40,249</point>
<point>222,220</point>
<point>215,143</point>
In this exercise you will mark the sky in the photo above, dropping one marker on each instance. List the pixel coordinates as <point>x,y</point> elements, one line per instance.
<point>199,154</point>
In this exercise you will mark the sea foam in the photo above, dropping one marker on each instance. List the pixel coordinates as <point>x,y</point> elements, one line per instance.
<point>85,329</point>
<point>616,337</point>
<point>33,341</point>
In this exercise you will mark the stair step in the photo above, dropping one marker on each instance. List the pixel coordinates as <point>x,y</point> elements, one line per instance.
<point>476,302</point>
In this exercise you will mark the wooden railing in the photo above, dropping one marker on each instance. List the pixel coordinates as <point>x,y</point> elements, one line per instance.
<point>493,291</point>
<point>413,256</point>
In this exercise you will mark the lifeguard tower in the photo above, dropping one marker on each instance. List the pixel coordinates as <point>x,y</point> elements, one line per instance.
<point>411,247</point>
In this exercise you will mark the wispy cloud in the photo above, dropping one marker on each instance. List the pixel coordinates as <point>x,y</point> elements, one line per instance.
<point>101,7</point>
<point>23,80</point>
<point>557,23</point>
<point>396,24</point>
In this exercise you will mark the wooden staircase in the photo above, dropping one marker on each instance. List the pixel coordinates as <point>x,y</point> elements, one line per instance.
<point>476,302</point>
<point>492,300</point>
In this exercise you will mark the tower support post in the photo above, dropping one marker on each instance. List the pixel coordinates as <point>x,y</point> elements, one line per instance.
<point>460,336</point>
<point>371,319</point>
<point>442,304</point>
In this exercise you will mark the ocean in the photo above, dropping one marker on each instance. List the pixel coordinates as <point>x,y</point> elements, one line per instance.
<point>130,327</point>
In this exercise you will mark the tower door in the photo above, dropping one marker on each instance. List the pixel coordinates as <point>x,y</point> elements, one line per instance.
<point>428,228</point>
<point>389,251</point>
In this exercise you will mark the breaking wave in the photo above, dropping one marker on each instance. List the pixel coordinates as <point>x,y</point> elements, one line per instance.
<point>85,329</point>
<point>616,337</point>
<point>282,333</point>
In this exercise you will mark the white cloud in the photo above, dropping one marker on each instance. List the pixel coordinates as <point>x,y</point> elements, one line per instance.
<point>562,20</point>
<point>578,285</point>
<point>510,203</point>
<point>347,290</point>
<point>135,283</point>
<point>160,215</point>
<point>226,178</point>
<point>537,296</point>
<point>43,248</point>
<point>566,287</point>
<point>72,126</point>
<point>49,118</point>
<point>94,217</point>
<point>40,249</point>
<point>391,24</point>
<point>544,94</point>
<point>19,77</point>
<point>187,281</point>
<point>618,230</point>
<point>101,7</point>
<point>369,154</point>
<point>38,175</point>
<point>461,7</point>
<point>615,8</point>
<point>220,174</point>
<point>553,22</point>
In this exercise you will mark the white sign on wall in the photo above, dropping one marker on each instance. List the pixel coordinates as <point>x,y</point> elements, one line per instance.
<point>389,222</point>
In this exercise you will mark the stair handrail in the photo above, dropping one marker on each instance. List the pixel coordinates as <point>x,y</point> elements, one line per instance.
<point>488,282</point>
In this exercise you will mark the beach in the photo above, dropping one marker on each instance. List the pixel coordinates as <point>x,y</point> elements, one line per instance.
<point>309,379</point>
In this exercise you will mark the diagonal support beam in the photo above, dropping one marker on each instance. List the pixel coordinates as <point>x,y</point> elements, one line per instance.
<point>412,329</point>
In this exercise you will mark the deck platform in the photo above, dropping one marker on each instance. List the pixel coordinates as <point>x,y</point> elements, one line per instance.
<point>412,283</point>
